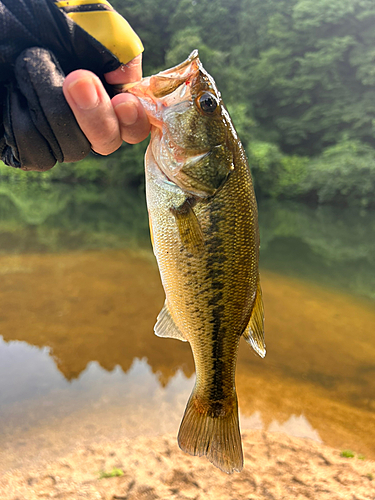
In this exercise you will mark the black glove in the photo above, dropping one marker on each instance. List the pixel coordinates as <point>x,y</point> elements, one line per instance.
<point>39,45</point>
<point>39,127</point>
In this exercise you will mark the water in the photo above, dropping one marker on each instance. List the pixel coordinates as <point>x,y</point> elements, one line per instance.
<point>79,294</point>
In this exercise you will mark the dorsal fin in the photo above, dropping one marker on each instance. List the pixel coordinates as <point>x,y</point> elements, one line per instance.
<point>254,332</point>
<point>166,327</point>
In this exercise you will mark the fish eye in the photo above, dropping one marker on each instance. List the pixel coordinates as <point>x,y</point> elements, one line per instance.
<point>207,103</point>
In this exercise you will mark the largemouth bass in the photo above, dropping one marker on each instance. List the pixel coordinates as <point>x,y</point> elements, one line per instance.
<point>204,228</point>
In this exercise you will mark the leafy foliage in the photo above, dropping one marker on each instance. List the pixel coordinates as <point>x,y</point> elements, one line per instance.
<point>344,172</point>
<point>347,454</point>
<point>312,71</point>
<point>115,472</point>
<point>275,173</point>
<point>125,166</point>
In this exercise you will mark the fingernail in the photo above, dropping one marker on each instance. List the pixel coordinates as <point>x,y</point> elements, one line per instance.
<point>84,93</point>
<point>127,113</point>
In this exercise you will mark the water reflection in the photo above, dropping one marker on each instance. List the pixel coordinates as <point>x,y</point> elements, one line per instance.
<point>332,246</point>
<point>297,426</point>
<point>89,306</point>
<point>54,217</point>
<point>79,294</point>
<point>30,376</point>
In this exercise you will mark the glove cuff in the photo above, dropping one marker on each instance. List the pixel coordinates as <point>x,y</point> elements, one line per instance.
<point>102,22</point>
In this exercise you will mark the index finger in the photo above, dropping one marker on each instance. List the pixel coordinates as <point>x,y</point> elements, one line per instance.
<point>127,73</point>
<point>133,121</point>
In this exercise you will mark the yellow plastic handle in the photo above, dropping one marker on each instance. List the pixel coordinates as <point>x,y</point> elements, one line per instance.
<point>102,22</point>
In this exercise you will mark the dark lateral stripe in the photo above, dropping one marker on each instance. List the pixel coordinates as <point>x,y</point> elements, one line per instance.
<point>92,7</point>
<point>214,265</point>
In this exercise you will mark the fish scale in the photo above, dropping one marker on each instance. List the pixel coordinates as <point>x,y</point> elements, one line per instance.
<point>204,227</point>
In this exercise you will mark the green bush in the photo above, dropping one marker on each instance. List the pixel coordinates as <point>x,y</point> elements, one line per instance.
<point>124,167</point>
<point>343,173</point>
<point>276,174</point>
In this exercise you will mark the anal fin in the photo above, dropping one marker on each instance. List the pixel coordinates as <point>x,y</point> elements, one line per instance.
<point>254,332</point>
<point>166,327</point>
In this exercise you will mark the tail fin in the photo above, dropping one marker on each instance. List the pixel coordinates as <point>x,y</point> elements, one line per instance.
<point>218,437</point>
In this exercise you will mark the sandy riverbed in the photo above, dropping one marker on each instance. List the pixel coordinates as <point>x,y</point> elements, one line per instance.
<point>276,467</point>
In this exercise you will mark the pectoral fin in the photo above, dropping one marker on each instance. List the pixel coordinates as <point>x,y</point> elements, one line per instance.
<point>166,327</point>
<point>189,229</point>
<point>254,332</point>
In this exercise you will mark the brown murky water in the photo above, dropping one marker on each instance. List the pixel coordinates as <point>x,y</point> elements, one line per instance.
<point>79,361</point>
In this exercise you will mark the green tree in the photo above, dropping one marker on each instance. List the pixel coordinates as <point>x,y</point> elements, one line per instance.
<point>309,67</point>
<point>343,173</point>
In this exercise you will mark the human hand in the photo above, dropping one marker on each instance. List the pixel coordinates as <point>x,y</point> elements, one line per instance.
<point>44,41</point>
<point>107,122</point>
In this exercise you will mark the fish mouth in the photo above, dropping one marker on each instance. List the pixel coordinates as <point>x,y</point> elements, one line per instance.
<point>154,91</point>
<point>184,67</point>
<point>165,82</point>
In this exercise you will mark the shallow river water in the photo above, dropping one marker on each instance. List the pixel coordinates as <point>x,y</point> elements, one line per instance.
<point>79,294</point>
